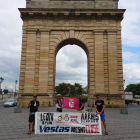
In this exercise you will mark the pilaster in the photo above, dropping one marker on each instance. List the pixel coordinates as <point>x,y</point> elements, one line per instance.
<point>30,61</point>
<point>43,61</point>
<point>112,61</point>
<point>99,62</point>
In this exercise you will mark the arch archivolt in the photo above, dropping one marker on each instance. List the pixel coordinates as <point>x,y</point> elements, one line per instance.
<point>85,40</point>
<point>97,31</point>
<point>40,47</point>
<point>56,37</point>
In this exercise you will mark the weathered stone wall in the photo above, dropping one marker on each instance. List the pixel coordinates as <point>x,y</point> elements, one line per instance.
<point>98,35</point>
<point>73,4</point>
<point>94,25</point>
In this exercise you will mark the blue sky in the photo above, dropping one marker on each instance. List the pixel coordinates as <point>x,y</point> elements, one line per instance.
<point>68,70</point>
<point>131,40</point>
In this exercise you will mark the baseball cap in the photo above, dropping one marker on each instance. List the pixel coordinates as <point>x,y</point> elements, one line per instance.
<point>34,95</point>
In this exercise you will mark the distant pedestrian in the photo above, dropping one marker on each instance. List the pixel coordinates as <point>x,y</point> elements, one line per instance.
<point>59,103</point>
<point>81,103</point>
<point>34,107</point>
<point>100,107</point>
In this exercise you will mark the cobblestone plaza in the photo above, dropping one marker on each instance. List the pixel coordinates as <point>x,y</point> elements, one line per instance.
<point>14,126</point>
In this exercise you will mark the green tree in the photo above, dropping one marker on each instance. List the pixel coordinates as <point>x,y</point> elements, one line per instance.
<point>135,88</point>
<point>85,90</point>
<point>62,89</point>
<point>5,91</point>
<point>72,90</point>
<point>68,89</point>
<point>78,89</point>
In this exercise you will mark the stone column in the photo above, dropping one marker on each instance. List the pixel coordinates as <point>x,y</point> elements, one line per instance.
<point>112,62</point>
<point>37,59</point>
<point>106,75</point>
<point>30,61</point>
<point>51,76</point>
<point>99,62</point>
<point>91,72</point>
<point>44,58</point>
<point>120,65</point>
<point>23,60</point>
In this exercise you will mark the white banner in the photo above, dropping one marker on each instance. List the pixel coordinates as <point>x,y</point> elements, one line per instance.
<point>67,123</point>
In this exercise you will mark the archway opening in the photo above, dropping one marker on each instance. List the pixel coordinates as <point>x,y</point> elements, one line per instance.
<point>72,64</point>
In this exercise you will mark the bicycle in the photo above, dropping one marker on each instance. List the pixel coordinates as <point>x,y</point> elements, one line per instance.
<point>63,117</point>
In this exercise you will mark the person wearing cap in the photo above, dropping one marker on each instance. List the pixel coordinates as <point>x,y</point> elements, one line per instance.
<point>34,107</point>
<point>100,107</point>
<point>59,103</point>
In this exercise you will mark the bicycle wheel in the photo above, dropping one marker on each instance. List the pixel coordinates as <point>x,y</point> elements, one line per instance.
<point>60,118</point>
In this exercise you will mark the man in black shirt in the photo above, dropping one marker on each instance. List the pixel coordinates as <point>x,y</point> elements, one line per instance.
<point>34,107</point>
<point>81,103</point>
<point>99,107</point>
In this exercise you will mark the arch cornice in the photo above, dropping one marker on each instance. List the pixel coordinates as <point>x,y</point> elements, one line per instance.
<point>92,13</point>
<point>31,29</point>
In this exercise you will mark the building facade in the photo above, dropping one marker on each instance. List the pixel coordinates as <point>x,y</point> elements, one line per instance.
<point>93,25</point>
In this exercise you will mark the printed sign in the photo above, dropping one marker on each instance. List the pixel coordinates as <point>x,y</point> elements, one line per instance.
<point>67,123</point>
<point>71,103</point>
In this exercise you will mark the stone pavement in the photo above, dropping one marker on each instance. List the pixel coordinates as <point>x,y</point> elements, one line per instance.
<point>14,126</point>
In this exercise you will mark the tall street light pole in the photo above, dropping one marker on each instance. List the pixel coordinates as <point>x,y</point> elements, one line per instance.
<point>15,88</point>
<point>1,80</point>
<point>126,102</point>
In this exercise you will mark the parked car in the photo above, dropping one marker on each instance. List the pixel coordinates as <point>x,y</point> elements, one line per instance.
<point>10,102</point>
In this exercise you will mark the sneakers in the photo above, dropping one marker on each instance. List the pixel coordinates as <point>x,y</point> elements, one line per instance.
<point>106,133</point>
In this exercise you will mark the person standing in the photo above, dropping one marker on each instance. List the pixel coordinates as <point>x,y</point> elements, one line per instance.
<point>81,103</point>
<point>100,107</point>
<point>59,103</point>
<point>34,107</point>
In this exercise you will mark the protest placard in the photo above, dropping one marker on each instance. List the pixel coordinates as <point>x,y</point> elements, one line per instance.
<point>67,123</point>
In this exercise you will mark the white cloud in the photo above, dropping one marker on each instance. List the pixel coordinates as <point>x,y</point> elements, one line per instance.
<point>131,39</point>
<point>71,63</point>
<point>130,23</point>
<point>131,73</point>
<point>71,66</point>
<point>10,41</point>
<point>129,56</point>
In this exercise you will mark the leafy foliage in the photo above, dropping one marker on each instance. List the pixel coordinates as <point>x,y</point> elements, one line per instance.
<point>85,90</point>
<point>68,89</point>
<point>5,91</point>
<point>135,88</point>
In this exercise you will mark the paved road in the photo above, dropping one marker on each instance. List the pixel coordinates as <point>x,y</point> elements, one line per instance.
<point>14,126</point>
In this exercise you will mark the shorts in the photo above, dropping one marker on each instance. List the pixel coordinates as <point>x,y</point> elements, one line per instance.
<point>32,118</point>
<point>102,117</point>
<point>59,110</point>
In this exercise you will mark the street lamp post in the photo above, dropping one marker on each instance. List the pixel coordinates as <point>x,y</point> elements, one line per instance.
<point>124,81</point>
<point>1,80</point>
<point>126,102</point>
<point>15,88</point>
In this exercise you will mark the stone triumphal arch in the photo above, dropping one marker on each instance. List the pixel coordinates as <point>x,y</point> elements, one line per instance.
<point>94,25</point>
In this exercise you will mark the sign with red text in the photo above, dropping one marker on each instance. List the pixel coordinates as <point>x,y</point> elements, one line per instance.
<point>67,123</point>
